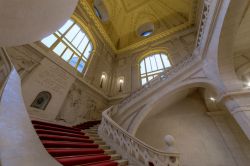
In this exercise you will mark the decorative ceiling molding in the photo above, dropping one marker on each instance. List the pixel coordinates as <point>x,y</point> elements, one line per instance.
<point>86,8</point>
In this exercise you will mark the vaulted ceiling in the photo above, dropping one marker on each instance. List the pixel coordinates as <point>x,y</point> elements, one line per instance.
<point>126,16</point>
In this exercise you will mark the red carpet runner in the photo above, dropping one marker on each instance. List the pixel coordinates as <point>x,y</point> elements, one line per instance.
<point>71,146</point>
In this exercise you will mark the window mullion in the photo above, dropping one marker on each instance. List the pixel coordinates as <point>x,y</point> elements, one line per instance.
<point>146,71</point>
<point>75,36</point>
<point>85,49</point>
<point>63,51</point>
<point>79,60</point>
<point>63,35</point>
<point>71,57</point>
<point>162,62</point>
<point>150,63</point>
<point>56,42</point>
<point>156,63</point>
<point>81,41</point>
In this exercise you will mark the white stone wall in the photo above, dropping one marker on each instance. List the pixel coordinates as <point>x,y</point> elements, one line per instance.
<point>47,77</point>
<point>75,97</point>
<point>200,139</point>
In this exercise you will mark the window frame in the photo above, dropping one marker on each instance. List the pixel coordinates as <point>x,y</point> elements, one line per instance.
<point>153,73</point>
<point>70,46</point>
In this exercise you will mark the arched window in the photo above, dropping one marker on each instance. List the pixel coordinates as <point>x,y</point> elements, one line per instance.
<point>42,100</point>
<point>71,43</point>
<point>152,65</point>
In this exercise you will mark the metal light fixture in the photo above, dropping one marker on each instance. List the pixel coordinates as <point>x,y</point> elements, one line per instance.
<point>212,99</point>
<point>121,81</point>
<point>248,84</point>
<point>103,77</point>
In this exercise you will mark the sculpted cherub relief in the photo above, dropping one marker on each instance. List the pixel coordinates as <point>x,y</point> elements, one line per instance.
<point>78,107</point>
<point>91,113</point>
<point>69,111</point>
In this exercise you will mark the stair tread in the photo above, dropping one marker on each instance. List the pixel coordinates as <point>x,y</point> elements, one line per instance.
<point>51,132</point>
<point>38,126</point>
<point>57,152</point>
<point>104,163</point>
<point>77,160</point>
<point>51,144</point>
<point>52,124</point>
<point>79,145</point>
<point>63,138</point>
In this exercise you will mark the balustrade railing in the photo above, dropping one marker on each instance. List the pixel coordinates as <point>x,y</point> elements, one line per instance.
<point>133,149</point>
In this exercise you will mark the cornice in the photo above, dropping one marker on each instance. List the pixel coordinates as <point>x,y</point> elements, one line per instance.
<point>86,8</point>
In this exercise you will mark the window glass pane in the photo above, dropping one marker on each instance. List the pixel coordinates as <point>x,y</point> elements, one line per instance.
<point>83,44</point>
<point>143,81</point>
<point>81,65</point>
<point>158,61</point>
<point>66,26</point>
<point>88,51</point>
<point>150,78</point>
<point>153,63</point>
<point>78,39</point>
<point>148,65</point>
<point>72,44</point>
<point>59,48</point>
<point>49,41</point>
<point>66,56</point>
<point>142,67</point>
<point>165,60</point>
<point>72,32</point>
<point>73,61</point>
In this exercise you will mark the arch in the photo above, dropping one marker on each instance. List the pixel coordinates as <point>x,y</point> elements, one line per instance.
<point>226,48</point>
<point>230,37</point>
<point>151,64</point>
<point>72,43</point>
<point>42,100</point>
<point>209,86</point>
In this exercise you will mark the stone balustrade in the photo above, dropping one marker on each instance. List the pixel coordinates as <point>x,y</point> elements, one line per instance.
<point>132,149</point>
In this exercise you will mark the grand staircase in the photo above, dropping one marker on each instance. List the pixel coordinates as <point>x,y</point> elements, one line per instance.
<point>77,146</point>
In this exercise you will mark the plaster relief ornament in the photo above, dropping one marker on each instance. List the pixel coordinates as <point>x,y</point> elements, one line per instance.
<point>71,107</point>
<point>92,113</point>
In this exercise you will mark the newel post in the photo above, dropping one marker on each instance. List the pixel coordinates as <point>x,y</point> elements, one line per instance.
<point>170,142</point>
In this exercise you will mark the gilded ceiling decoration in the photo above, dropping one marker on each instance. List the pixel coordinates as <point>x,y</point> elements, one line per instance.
<point>127,16</point>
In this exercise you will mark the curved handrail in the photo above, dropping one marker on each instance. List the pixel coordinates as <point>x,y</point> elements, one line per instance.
<point>137,151</point>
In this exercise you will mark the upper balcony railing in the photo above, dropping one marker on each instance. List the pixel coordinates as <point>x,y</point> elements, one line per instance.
<point>188,61</point>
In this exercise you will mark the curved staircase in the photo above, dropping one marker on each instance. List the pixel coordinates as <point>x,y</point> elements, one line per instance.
<point>77,146</point>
